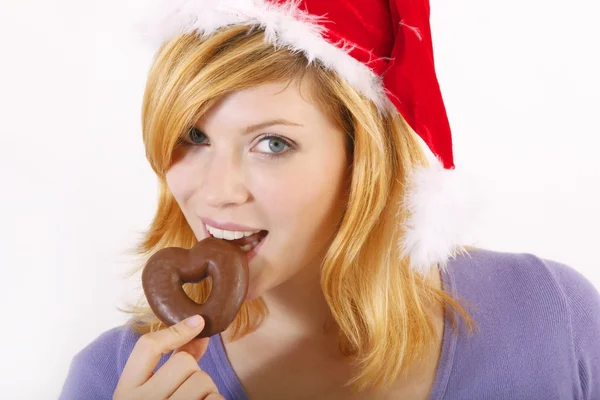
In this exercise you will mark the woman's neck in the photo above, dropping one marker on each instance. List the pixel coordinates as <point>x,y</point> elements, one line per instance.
<point>294,334</point>
<point>298,308</point>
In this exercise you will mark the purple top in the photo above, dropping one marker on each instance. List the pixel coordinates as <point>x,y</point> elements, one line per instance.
<point>538,337</point>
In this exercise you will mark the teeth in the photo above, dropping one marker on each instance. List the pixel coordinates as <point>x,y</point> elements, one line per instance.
<point>250,246</point>
<point>228,235</point>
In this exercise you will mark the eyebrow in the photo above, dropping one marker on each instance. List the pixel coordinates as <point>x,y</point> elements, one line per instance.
<point>267,124</point>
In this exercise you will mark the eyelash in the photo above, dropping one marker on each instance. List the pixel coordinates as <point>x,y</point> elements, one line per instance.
<point>184,141</point>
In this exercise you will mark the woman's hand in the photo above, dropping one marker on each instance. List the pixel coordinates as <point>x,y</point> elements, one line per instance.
<point>180,378</point>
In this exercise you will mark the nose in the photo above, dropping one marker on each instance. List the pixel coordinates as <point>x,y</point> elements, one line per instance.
<point>222,182</point>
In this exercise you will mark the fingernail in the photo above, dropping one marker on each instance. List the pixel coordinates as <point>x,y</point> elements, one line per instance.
<point>194,321</point>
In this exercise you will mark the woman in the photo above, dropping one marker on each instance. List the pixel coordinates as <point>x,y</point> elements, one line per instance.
<point>360,285</point>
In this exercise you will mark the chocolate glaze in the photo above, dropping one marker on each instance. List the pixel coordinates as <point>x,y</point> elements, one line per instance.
<point>168,269</point>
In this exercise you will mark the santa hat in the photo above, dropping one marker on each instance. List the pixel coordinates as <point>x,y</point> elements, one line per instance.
<point>382,48</point>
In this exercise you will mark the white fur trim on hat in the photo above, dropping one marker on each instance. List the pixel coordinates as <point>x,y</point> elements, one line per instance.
<point>285,25</point>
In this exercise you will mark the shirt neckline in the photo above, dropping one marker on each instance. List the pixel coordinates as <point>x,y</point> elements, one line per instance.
<point>216,350</point>
<point>234,386</point>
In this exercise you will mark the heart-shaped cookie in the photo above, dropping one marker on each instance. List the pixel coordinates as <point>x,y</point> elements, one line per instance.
<point>169,268</point>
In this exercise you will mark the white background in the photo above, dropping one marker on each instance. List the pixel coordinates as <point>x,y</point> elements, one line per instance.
<point>520,79</point>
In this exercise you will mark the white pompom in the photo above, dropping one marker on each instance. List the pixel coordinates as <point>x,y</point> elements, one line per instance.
<point>444,207</point>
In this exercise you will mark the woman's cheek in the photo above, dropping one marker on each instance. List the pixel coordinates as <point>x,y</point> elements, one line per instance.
<point>181,180</point>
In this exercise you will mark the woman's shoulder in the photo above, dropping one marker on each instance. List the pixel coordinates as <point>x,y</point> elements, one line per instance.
<point>524,276</point>
<point>96,368</point>
<point>112,346</point>
<point>538,311</point>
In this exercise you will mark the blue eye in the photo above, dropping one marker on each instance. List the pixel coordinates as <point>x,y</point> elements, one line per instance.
<point>273,145</point>
<point>197,136</point>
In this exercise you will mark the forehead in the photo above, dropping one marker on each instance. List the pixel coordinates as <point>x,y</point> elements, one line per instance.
<point>290,101</point>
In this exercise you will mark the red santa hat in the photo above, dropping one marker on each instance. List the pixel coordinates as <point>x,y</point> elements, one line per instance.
<point>383,48</point>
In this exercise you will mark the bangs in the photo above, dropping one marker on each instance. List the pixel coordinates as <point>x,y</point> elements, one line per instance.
<point>189,75</point>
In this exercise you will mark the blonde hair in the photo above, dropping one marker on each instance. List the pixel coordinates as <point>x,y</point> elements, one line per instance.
<point>380,305</point>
